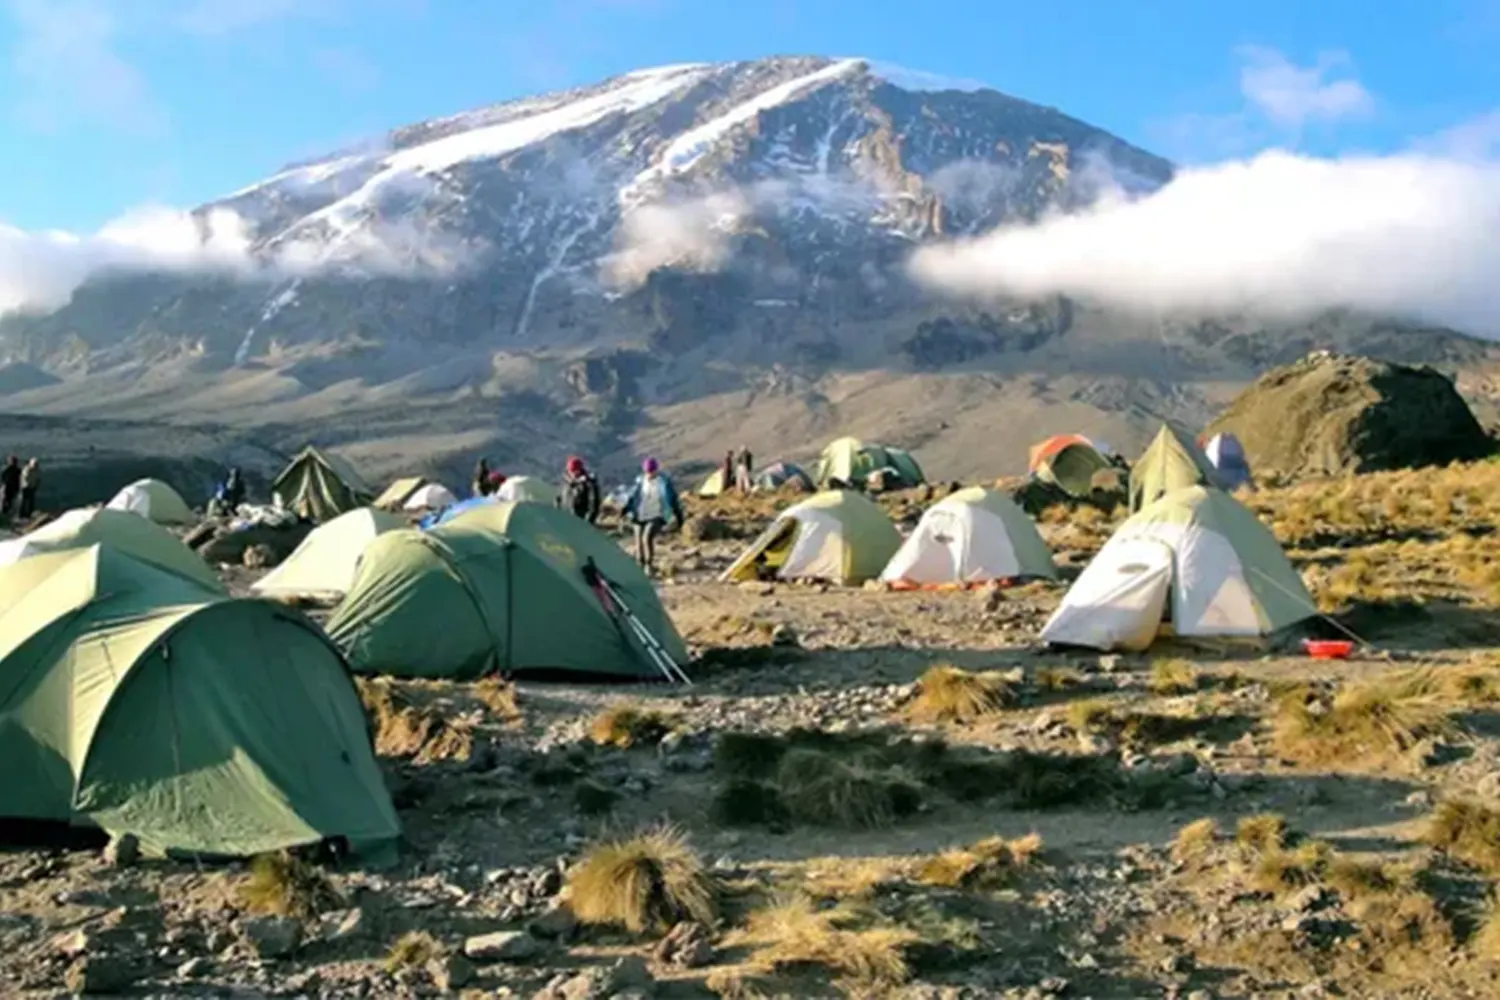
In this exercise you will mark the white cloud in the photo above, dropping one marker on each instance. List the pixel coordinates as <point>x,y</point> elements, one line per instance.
<point>692,233</point>
<point>1292,96</point>
<point>40,271</point>
<point>1478,138</point>
<point>1412,235</point>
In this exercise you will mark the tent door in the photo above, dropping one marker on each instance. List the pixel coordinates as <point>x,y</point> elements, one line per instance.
<point>1121,599</point>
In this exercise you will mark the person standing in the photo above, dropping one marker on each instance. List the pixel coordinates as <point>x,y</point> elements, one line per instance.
<point>580,492</point>
<point>481,482</point>
<point>234,491</point>
<point>743,470</point>
<point>653,501</point>
<point>31,481</point>
<point>726,473</point>
<point>10,485</point>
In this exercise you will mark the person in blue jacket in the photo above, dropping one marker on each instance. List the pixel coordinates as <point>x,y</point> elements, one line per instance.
<point>653,501</point>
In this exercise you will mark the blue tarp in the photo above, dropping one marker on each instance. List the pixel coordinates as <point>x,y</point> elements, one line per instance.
<point>449,513</point>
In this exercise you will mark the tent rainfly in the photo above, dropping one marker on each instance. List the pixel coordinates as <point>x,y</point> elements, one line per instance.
<point>1197,557</point>
<point>1173,461</point>
<point>131,534</point>
<point>431,496</point>
<point>1069,461</point>
<point>525,489</point>
<point>323,565</point>
<point>838,536</point>
<point>974,536</point>
<point>498,589</point>
<point>155,501</point>
<point>400,491</point>
<point>320,485</point>
<point>139,702</point>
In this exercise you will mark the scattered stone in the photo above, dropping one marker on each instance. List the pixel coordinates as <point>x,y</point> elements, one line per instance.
<point>272,937</point>
<point>122,851</point>
<point>101,974</point>
<point>452,972</point>
<point>259,557</point>
<point>686,946</point>
<point>193,968</point>
<point>785,637</point>
<point>346,925</point>
<point>555,922</point>
<point>758,588</point>
<point>546,884</point>
<point>502,946</point>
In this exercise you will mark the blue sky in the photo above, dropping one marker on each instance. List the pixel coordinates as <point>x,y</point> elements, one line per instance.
<point>109,104</point>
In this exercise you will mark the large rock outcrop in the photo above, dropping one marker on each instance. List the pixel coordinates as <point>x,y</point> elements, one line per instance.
<point>1331,414</point>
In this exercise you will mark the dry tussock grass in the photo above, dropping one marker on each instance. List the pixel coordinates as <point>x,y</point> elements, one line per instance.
<point>1468,831</point>
<point>1485,942</point>
<point>629,725</point>
<point>987,864</point>
<point>862,949</point>
<point>851,878</point>
<point>947,694</point>
<point>1366,724</point>
<point>1195,841</point>
<point>1262,833</point>
<point>413,950</point>
<point>1173,677</point>
<point>288,886</point>
<point>499,697</point>
<point>1054,680</point>
<point>818,788</point>
<point>645,883</point>
<point>404,729</point>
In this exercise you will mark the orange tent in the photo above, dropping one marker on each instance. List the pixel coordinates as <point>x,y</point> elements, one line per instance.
<point>1044,450</point>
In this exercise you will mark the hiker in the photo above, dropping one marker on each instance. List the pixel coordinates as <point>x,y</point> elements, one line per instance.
<point>481,482</point>
<point>234,491</point>
<point>31,480</point>
<point>726,473</point>
<point>10,484</point>
<point>493,484</point>
<point>580,492</point>
<point>653,501</point>
<point>743,467</point>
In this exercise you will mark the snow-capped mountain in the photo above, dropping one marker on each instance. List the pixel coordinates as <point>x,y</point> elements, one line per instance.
<point>731,236</point>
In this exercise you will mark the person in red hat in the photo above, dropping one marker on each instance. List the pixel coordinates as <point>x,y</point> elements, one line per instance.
<point>580,492</point>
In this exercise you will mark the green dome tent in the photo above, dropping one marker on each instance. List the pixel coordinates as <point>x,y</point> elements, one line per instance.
<point>129,533</point>
<point>1173,461</point>
<point>320,486</point>
<point>137,701</point>
<point>850,460</point>
<point>838,536</point>
<point>498,588</point>
<point>1197,557</point>
<point>1071,467</point>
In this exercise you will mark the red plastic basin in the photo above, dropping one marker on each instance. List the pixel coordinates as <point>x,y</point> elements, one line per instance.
<point>1328,649</point>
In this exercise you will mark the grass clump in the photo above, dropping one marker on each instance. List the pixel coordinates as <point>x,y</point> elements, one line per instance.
<point>413,950</point>
<point>865,951</point>
<point>948,694</point>
<point>1055,680</point>
<point>625,726</point>
<point>1370,722</point>
<point>987,864</point>
<point>819,788</point>
<point>499,697</point>
<point>1173,677</point>
<point>1261,833</point>
<point>1091,715</point>
<point>1286,870</point>
<point>1467,830</point>
<point>401,728</point>
<point>645,883</point>
<point>1195,841</point>
<point>288,886</point>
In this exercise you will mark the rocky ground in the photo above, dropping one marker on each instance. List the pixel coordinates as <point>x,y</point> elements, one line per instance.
<point>824,813</point>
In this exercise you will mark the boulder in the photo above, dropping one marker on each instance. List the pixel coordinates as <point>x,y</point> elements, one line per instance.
<point>272,937</point>
<point>502,946</point>
<point>1331,414</point>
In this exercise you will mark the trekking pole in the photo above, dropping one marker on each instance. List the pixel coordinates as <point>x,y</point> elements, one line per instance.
<point>655,652</point>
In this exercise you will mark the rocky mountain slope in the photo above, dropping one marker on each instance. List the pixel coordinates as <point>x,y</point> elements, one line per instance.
<point>679,259</point>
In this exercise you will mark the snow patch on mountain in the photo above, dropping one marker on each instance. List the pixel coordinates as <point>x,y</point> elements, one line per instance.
<point>917,80</point>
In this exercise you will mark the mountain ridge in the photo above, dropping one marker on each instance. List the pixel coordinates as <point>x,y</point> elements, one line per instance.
<point>669,260</point>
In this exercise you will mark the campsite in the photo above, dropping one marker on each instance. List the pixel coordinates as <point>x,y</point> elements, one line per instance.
<point>1164,725</point>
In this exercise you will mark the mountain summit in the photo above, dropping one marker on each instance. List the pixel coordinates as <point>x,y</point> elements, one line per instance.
<point>668,259</point>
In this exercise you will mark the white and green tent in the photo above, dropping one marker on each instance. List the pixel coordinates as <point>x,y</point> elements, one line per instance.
<point>976,535</point>
<point>838,536</point>
<point>1198,559</point>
